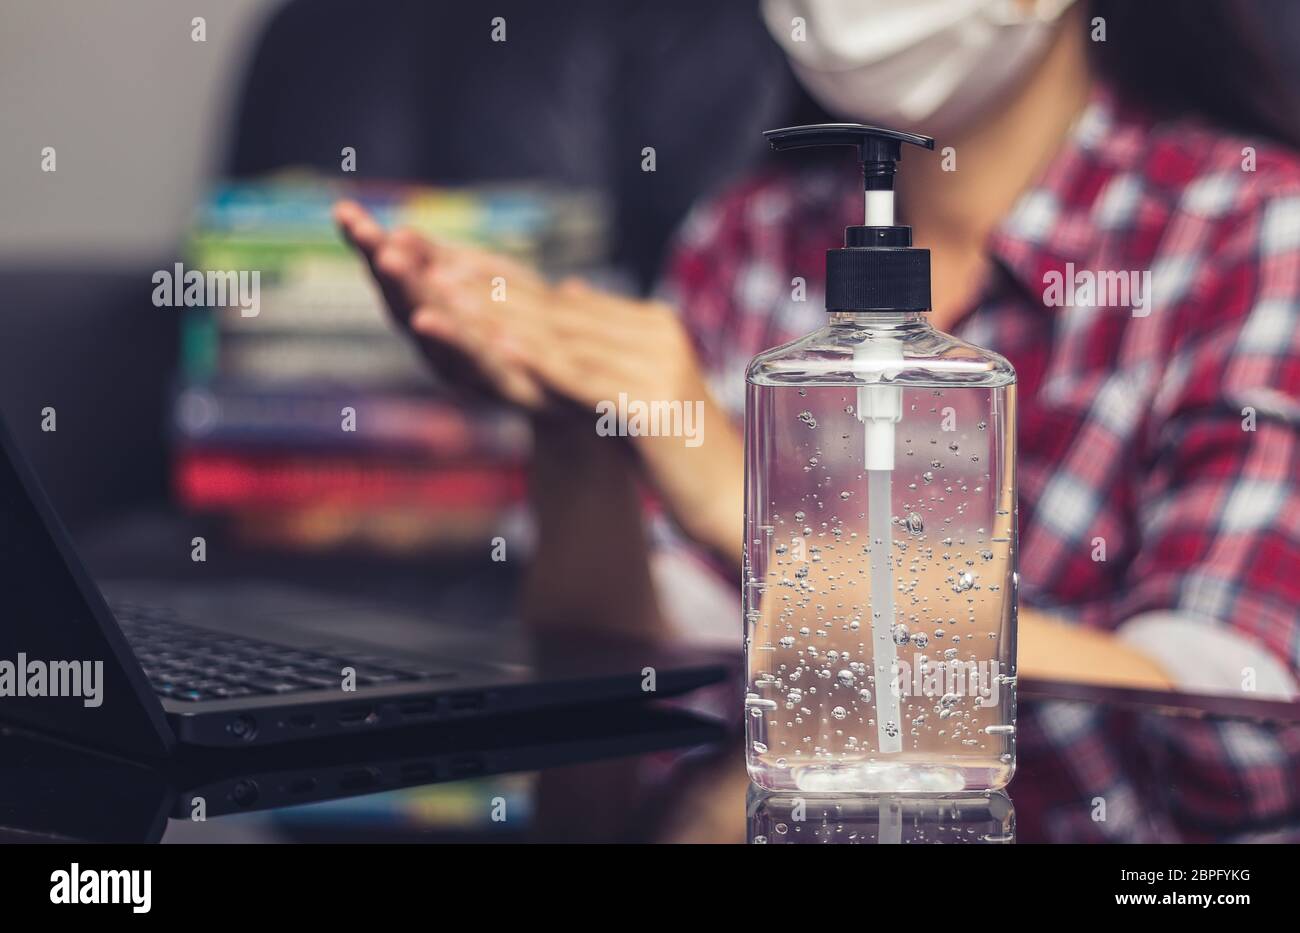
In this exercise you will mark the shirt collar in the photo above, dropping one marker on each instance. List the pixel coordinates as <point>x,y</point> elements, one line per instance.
<point>1059,217</point>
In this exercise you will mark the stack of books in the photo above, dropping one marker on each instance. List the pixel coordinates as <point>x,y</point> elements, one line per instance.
<point>313,423</point>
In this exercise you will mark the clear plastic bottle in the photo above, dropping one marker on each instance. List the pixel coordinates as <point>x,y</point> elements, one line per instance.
<point>880,528</point>
<point>814,697</point>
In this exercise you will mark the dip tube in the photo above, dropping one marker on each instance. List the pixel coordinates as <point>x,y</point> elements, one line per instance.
<point>879,517</point>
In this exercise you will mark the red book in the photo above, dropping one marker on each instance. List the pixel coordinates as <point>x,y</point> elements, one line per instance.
<point>208,480</point>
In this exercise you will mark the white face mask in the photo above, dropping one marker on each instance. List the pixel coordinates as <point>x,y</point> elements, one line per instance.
<point>931,66</point>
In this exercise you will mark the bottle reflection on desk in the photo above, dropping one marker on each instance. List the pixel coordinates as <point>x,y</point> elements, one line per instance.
<point>783,817</point>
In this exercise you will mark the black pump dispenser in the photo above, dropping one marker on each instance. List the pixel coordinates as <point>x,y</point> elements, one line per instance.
<point>878,269</point>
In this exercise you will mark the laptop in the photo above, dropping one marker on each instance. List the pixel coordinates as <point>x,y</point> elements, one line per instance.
<point>140,678</point>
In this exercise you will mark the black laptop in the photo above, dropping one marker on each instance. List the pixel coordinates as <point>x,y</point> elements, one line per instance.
<point>139,678</point>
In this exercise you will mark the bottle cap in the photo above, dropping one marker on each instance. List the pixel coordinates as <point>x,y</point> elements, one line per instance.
<point>878,269</point>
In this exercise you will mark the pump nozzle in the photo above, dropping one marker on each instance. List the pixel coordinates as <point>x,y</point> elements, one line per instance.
<point>877,270</point>
<point>875,143</point>
<point>879,151</point>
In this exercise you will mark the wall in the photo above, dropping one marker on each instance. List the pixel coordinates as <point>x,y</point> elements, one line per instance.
<point>135,110</point>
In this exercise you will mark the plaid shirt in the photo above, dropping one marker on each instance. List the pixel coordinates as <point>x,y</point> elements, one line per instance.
<point>1134,428</point>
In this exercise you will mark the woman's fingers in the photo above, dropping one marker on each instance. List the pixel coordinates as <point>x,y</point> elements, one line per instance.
<point>478,316</point>
<point>359,228</point>
<point>415,245</point>
<point>552,363</point>
<point>569,337</point>
<point>520,389</point>
<point>483,332</point>
<point>400,264</point>
<point>461,304</point>
<point>437,324</point>
<point>491,265</point>
<point>427,289</point>
<point>397,260</point>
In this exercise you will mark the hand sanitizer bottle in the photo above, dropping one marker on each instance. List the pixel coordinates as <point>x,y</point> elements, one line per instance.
<point>880,528</point>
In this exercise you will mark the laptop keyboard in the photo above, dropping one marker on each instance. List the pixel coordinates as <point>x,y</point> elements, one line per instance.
<point>186,662</point>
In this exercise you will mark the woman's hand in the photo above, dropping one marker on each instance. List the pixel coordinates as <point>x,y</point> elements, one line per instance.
<point>434,282</point>
<point>491,324</point>
<point>500,325</point>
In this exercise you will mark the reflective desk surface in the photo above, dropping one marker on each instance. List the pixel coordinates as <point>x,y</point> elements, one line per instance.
<point>671,771</point>
<point>649,773</point>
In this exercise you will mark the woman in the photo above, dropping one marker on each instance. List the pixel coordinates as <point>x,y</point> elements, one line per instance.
<point>1083,133</point>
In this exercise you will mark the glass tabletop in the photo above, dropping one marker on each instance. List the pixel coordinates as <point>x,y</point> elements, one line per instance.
<point>649,773</point>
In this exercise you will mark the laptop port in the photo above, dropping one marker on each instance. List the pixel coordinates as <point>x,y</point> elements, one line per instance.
<point>464,702</point>
<point>418,708</point>
<point>243,727</point>
<point>301,786</point>
<point>418,771</point>
<point>359,779</point>
<point>302,721</point>
<point>466,766</point>
<point>358,716</point>
<point>245,793</point>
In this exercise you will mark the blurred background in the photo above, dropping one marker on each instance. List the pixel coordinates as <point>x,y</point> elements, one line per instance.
<point>225,153</point>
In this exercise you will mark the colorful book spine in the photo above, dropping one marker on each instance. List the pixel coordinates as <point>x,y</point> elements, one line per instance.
<point>424,425</point>
<point>213,481</point>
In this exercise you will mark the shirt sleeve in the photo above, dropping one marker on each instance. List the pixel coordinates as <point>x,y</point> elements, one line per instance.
<point>1214,588</point>
<point>1202,656</point>
<point>1219,503</point>
<point>701,265</point>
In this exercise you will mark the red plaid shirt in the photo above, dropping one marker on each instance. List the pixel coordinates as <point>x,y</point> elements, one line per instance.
<point>1134,429</point>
